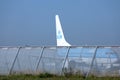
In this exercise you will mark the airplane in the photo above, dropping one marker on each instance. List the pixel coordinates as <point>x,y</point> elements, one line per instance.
<point>102,54</point>
<point>61,41</point>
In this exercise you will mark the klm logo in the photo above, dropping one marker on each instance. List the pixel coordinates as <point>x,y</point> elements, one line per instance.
<point>59,35</point>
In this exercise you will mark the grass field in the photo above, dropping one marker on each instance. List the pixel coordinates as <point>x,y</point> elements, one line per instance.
<point>54,77</point>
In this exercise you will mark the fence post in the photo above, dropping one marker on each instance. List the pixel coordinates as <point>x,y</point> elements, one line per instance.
<point>14,60</point>
<point>92,62</point>
<point>66,57</point>
<point>39,59</point>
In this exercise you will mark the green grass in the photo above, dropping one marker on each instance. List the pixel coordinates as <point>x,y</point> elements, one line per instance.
<point>47,76</point>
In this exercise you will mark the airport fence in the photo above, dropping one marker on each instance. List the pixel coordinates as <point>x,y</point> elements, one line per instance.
<point>81,60</point>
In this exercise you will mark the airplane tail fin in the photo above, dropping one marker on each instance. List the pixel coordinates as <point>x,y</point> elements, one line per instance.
<point>59,33</point>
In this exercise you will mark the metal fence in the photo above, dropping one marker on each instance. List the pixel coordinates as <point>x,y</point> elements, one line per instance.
<point>85,60</point>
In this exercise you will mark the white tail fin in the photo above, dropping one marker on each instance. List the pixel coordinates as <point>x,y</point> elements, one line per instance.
<point>59,33</point>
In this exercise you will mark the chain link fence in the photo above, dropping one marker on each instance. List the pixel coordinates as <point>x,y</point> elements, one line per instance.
<point>81,60</point>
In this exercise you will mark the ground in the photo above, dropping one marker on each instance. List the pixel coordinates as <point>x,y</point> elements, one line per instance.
<point>54,77</point>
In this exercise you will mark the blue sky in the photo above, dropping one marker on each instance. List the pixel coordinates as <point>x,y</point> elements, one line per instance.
<point>85,22</point>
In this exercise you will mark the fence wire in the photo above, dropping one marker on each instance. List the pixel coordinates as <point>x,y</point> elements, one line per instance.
<point>83,60</point>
